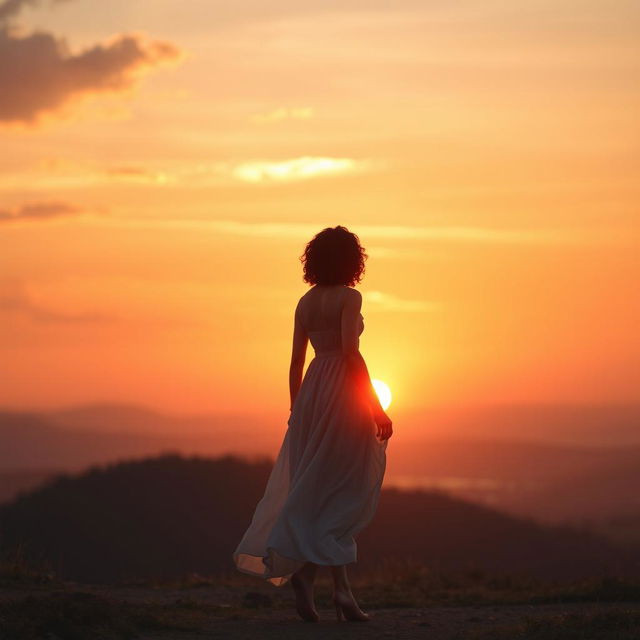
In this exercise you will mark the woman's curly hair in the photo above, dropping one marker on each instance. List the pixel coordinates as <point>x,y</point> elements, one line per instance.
<point>333,256</point>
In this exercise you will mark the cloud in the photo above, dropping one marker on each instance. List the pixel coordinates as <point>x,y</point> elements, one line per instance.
<point>404,253</point>
<point>295,169</point>
<point>14,298</point>
<point>37,211</point>
<point>253,172</point>
<point>10,8</point>
<point>302,231</point>
<point>283,113</point>
<point>385,302</point>
<point>39,75</point>
<point>139,175</point>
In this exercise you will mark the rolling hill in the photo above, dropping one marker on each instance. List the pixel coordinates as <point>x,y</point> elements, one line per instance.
<point>170,515</point>
<point>551,482</point>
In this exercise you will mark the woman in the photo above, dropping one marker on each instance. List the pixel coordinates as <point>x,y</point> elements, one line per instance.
<point>325,483</point>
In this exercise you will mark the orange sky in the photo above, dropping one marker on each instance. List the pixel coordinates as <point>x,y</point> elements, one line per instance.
<point>163,164</point>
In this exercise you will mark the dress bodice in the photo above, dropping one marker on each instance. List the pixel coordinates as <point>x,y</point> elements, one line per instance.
<point>329,339</point>
<point>321,316</point>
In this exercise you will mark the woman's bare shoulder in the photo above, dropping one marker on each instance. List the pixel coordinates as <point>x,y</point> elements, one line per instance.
<point>354,293</point>
<point>302,301</point>
<point>353,299</point>
<point>304,296</point>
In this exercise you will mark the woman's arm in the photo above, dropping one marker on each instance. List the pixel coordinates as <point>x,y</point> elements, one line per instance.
<point>351,347</point>
<point>359,368</point>
<point>298,355</point>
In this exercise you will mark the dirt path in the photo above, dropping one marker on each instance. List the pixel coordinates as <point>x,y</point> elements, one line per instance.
<point>436,623</point>
<point>212,613</point>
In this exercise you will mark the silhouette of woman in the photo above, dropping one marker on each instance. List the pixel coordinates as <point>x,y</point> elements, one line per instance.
<point>325,483</point>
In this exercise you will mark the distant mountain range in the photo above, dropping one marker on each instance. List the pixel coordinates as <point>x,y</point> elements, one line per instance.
<point>167,516</point>
<point>579,425</point>
<point>76,438</point>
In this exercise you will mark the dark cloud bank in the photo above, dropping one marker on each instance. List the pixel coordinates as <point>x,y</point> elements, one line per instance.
<point>39,74</point>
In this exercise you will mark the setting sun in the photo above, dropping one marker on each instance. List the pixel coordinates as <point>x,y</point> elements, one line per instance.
<point>383,391</point>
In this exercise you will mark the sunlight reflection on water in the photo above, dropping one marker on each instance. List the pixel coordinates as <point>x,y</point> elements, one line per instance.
<point>457,483</point>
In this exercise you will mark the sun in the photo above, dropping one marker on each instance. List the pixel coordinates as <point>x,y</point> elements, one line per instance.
<point>383,391</point>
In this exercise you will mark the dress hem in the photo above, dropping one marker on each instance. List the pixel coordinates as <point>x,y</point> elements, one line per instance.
<point>277,580</point>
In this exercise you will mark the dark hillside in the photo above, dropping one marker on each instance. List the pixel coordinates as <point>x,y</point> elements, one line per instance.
<point>168,516</point>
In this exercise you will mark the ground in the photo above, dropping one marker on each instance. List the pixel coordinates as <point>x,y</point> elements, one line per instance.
<point>414,604</point>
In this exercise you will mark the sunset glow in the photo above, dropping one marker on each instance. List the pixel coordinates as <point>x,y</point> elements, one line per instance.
<point>163,165</point>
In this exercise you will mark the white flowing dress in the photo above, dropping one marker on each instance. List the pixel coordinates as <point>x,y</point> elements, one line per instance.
<point>325,483</point>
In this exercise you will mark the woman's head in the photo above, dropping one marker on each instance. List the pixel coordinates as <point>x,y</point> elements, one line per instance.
<point>333,256</point>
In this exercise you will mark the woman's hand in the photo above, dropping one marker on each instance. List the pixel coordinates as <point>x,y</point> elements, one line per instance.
<point>383,422</point>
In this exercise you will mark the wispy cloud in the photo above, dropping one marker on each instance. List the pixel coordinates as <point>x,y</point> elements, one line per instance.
<point>14,298</point>
<point>265,171</point>
<point>38,211</point>
<point>405,253</point>
<point>254,172</point>
<point>282,113</point>
<point>139,175</point>
<point>386,302</point>
<point>302,231</point>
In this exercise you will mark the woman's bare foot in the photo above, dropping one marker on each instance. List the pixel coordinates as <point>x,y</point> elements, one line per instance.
<point>347,607</point>
<point>303,588</point>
